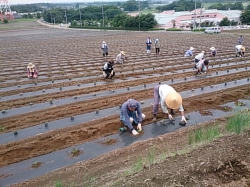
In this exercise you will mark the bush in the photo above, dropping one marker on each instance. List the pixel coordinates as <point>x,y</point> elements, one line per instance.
<point>173,29</point>
<point>5,21</point>
<point>199,30</point>
<point>155,29</point>
<point>110,28</point>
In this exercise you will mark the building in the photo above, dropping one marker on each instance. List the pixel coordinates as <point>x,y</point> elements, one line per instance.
<point>184,19</point>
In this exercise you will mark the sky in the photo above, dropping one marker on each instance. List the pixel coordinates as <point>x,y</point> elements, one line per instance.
<point>12,2</point>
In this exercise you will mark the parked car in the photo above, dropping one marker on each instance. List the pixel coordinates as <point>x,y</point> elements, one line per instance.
<point>213,30</point>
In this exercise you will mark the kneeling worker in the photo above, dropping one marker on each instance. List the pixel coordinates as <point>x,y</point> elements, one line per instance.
<point>169,98</point>
<point>108,70</point>
<point>131,114</point>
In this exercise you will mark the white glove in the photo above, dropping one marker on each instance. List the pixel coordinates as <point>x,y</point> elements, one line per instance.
<point>170,117</point>
<point>104,74</point>
<point>135,132</point>
<point>183,119</point>
<point>139,127</point>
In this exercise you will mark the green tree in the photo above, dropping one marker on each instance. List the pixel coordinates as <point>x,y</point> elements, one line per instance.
<point>5,21</point>
<point>181,5</point>
<point>38,15</point>
<point>130,5</point>
<point>225,22</point>
<point>245,17</point>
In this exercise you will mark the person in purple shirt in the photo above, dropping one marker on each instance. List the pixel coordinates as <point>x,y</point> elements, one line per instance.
<point>131,114</point>
<point>189,52</point>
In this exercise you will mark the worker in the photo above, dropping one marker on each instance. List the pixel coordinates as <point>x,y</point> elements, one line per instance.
<point>31,70</point>
<point>108,70</point>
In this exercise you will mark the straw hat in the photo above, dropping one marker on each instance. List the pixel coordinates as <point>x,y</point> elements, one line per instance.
<point>30,65</point>
<point>122,52</point>
<point>243,49</point>
<point>212,48</point>
<point>173,100</point>
<point>191,48</point>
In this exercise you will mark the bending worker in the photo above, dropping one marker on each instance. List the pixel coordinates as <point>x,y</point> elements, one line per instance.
<point>168,98</point>
<point>108,70</point>
<point>131,114</point>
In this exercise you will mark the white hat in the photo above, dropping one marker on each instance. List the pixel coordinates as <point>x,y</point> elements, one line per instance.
<point>191,48</point>
<point>202,51</point>
<point>103,42</point>
<point>30,65</point>
<point>212,48</point>
<point>122,52</point>
<point>173,100</point>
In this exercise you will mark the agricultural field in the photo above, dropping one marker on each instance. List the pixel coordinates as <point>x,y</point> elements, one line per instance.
<point>62,129</point>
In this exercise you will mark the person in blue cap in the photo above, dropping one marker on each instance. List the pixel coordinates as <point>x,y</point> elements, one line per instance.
<point>131,115</point>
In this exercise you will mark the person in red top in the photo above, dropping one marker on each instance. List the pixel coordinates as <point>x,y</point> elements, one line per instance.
<point>31,70</point>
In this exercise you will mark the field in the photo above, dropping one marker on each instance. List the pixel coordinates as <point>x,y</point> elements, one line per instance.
<point>61,129</point>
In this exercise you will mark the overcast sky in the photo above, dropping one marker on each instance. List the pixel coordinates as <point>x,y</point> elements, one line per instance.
<point>11,2</point>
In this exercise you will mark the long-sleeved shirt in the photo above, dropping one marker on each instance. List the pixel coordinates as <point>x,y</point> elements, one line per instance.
<point>189,53</point>
<point>107,67</point>
<point>120,58</point>
<point>104,48</point>
<point>199,56</point>
<point>164,90</point>
<point>126,113</point>
<point>238,47</point>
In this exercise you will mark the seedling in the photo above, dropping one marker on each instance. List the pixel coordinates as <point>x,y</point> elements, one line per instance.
<point>228,70</point>
<point>211,86</point>
<point>15,132</point>
<point>21,94</point>
<point>128,88</point>
<point>94,94</point>
<point>185,78</point>
<point>216,72</point>
<point>46,125</point>
<point>94,83</point>
<point>240,103</point>
<point>1,128</point>
<point>30,104</point>
<point>120,106</point>
<point>184,70</point>
<point>43,90</point>
<point>172,80</point>
<point>75,97</point>
<point>36,164</point>
<point>142,102</point>
<point>187,117</point>
<point>108,140</point>
<point>225,83</point>
<point>18,86</point>
<point>145,85</point>
<point>3,111</point>
<point>201,88</point>
<point>75,151</point>
<point>113,91</point>
<point>52,81</point>
<point>78,84</point>
<point>60,88</point>
<point>51,101</point>
<point>97,111</point>
<point>70,79</point>
<point>247,79</point>
<point>159,82</point>
<point>246,68</point>
<point>35,83</point>
<point>143,69</point>
<point>72,118</point>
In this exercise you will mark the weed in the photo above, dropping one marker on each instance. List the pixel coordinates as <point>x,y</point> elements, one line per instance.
<point>58,184</point>
<point>238,122</point>
<point>75,152</point>
<point>36,164</point>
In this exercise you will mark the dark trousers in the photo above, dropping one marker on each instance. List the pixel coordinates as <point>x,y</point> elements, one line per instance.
<point>105,54</point>
<point>108,74</point>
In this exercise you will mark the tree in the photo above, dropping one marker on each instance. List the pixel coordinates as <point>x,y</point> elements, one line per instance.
<point>245,17</point>
<point>181,5</point>
<point>38,15</point>
<point>5,21</point>
<point>225,22</point>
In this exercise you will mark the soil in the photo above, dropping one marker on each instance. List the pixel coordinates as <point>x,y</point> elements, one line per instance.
<point>64,54</point>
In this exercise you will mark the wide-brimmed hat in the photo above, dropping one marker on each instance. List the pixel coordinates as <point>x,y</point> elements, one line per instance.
<point>103,42</point>
<point>191,48</point>
<point>122,52</point>
<point>173,100</point>
<point>30,65</point>
<point>212,48</point>
<point>243,49</point>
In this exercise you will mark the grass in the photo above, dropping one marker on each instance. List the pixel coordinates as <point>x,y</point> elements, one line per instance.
<point>2,128</point>
<point>58,183</point>
<point>239,122</point>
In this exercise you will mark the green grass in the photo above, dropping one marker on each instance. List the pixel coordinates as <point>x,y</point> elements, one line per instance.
<point>58,183</point>
<point>239,122</point>
<point>2,128</point>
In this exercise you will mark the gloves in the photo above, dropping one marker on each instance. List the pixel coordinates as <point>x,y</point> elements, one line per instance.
<point>134,132</point>
<point>104,74</point>
<point>139,127</point>
<point>170,117</point>
<point>183,119</point>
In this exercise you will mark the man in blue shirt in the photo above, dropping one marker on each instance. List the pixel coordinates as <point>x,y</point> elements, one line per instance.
<point>131,114</point>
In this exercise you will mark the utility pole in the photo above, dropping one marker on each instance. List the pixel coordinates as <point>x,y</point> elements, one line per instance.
<point>139,15</point>
<point>194,27</point>
<point>54,21</point>
<point>102,17</point>
<point>200,14</point>
<point>65,16</point>
<point>80,16</point>
<point>50,17</point>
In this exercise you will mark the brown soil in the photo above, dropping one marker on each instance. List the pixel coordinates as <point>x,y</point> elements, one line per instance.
<point>225,160</point>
